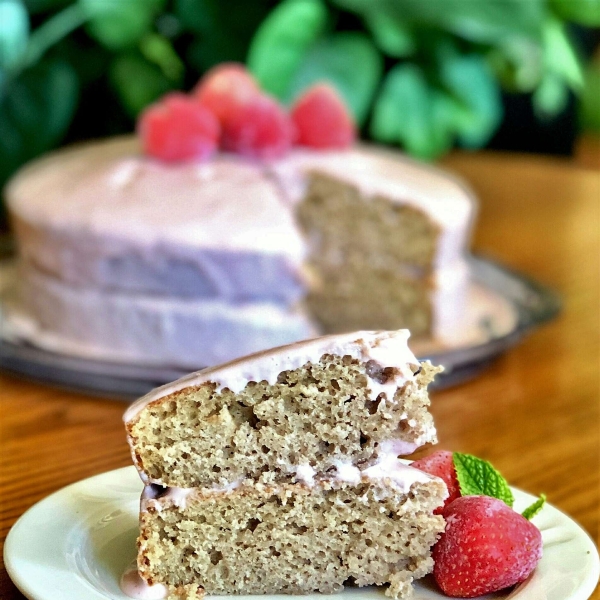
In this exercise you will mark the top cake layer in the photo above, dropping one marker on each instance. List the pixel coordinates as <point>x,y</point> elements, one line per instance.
<point>386,348</point>
<point>377,172</point>
<point>108,189</point>
<point>103,215</point>
<point>291,413</point>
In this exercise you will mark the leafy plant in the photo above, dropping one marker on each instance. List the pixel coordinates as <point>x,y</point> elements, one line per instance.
<point>425,74</point>
<point>447,62</point>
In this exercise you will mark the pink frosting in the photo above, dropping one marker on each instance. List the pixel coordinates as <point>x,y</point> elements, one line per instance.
<point>387,348</point>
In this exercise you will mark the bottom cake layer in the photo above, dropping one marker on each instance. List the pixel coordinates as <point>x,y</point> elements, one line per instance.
<point>122,327</point>
<point>291,539</point>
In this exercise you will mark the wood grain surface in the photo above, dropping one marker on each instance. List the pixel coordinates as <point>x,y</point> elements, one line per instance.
<point>535,413</point>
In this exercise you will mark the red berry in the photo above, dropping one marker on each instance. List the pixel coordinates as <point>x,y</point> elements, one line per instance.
<point>259,128</point>
<point>178,128</point>
<point>486,547</point>
<point>322,119</point>
<point>441,465</point>
<point>224,87</point>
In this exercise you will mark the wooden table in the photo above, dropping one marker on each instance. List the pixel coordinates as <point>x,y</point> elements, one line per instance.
<point>534,413</point>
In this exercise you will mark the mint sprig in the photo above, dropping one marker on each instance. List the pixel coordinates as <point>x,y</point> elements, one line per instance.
<point>535,508</point>
<point>477,477</point>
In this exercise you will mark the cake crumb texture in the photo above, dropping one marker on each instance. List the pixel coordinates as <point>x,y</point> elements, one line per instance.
<point>289,539</point>
<point>317,415</point>
<point>372,259</point>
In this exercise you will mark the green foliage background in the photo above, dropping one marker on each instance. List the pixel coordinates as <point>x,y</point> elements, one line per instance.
<point>423,74</point>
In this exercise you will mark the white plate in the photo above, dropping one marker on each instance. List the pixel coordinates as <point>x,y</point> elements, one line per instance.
<point>76,543</point>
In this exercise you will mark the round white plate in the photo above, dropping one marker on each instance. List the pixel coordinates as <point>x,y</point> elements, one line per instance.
<point>75,544</point>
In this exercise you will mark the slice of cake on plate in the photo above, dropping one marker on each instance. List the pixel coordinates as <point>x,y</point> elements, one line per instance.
<point>278,472</point>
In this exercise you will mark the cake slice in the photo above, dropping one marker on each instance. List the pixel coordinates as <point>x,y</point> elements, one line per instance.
<point>285,415</point>
<point>374,526</point>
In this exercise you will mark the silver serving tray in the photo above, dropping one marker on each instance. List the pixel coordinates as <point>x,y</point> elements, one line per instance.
<point>530,303</point>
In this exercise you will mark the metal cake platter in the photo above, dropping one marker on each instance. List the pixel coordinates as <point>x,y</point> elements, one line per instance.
<point>505,306</point>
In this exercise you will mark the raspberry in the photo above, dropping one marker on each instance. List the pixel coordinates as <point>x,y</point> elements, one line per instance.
<point>178,128</point>
<point>441,465</point>
<point>322,119</point>
<point>486,547</point>
<point>224,87</point>
<point>259,128</point>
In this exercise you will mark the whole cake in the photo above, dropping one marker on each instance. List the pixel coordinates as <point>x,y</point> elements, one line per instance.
<point>129,258</point>
<point>279,472</point>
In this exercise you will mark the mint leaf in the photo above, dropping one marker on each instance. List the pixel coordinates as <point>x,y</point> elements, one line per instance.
<point>535,508</point>
<point>477,477</point>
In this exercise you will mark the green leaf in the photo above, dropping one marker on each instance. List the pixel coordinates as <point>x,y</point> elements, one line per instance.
<point>159,50</point>
<point>477,477</point>
<point>392,37</point>
<point>551,96</point>
<point>35,111</point>
<point>222,30</point>
<point>14,32</point>
<point>350,62</point>
<point>282,41</point>
<point>562,70</point>
<point>137,82</point>
<point>518,64</point>
<point>447,114</point>
<point>469,79</point>
<point>583,12</point>
<point>481,21</point>
<point>560,56</point>
<point>535,508</point>
<point>120,24</point>
<point>589,110</point>
<point>402,112</point>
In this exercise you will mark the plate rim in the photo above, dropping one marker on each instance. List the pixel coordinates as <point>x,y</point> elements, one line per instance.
<point>14,570</point>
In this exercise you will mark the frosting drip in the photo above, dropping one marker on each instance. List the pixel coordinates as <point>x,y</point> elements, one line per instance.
<point>389,469</point>
<point>134,586</point>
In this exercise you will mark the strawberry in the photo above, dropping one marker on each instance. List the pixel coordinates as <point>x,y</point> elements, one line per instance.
<point>178,128</point>
<point>441,465</point>
<point>259,128</point>
<point>225,87</point>
<point>322,119</point>
<point>486,547</point>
